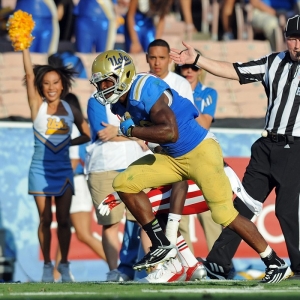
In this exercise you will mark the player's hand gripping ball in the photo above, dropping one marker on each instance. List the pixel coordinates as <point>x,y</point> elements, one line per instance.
<point>127,124</point>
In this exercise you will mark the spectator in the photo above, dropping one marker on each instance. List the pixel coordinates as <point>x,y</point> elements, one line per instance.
<point>265,17</point>
<point>186,8</point>
<point>140,28</point>
<point>81,206</point>
<point>46,30</point>
<point>108,154</point>
<point>209,17</point>
<point>227,19</point>
<point>159,60</point>
<point>95,26</point>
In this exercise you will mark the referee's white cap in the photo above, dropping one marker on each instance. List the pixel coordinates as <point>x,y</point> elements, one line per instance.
<point>292,26</point>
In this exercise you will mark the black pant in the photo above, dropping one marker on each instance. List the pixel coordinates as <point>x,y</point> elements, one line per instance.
<point>271,166</point>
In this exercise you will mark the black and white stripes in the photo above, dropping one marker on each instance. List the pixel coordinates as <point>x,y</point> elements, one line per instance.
<point>280,78</point>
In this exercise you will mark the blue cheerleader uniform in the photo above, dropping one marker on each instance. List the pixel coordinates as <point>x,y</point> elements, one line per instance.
<point>50,171</point>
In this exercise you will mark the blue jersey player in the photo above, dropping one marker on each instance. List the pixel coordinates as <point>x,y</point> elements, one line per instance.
<point>153,112</point>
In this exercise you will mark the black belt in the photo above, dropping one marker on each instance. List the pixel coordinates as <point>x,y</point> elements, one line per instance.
<point>277,138</point>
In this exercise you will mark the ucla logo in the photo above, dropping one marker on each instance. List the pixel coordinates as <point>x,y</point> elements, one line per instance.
<point>57,127</point>
<point>117,61</point>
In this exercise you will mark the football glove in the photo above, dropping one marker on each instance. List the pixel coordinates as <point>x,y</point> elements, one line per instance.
<point>111,201</point>
<point>126,124</point>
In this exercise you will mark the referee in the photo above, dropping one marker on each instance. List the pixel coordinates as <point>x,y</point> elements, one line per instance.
<point>275,157</point>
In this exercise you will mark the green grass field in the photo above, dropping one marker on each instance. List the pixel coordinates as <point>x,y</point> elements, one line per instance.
<point>210,289</point>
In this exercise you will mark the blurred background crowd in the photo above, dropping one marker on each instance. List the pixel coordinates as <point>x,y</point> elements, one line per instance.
<point>91,26</point>
<point>235,30</point>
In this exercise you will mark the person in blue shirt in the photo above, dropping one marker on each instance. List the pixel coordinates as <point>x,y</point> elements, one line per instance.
<point>152,111</point>
<point>108,154</point>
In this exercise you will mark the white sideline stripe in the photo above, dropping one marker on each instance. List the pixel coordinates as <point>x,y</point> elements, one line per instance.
<point>182,290</point>
<point>51,294</point>
<point>218,291</point>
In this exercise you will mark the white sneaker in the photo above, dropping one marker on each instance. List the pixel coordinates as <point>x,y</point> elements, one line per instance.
<point>116,275</point>
<point>169,271</point>
<point>48,273</point>
<point>64,270</point>
<point>195,273</point>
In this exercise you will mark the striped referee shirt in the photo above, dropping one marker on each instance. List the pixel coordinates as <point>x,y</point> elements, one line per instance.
<point>280,77</point>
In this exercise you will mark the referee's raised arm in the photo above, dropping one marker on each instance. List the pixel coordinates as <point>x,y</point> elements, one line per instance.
<point>216,67</point>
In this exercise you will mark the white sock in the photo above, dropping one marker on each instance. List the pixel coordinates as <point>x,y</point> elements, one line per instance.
<point>266,253</point>
<point>172,227</point>
<point>186,256</point>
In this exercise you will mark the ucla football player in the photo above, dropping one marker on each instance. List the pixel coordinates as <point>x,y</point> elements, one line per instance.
<point>152,111</point>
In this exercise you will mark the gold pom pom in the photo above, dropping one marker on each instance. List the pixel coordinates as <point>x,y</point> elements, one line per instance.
<point>20,26</point>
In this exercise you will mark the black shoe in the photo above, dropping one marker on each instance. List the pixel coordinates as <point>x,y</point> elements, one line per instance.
<point>296,276</point>
<point>275,274</point>
<point>156,256</point>
<point>215,271</point>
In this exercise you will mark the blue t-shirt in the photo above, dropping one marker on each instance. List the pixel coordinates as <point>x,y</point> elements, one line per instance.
<point>205,99</point>
<point>144,93</point>
<point>96,114</point>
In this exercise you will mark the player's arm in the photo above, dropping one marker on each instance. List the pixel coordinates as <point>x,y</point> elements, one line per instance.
<point>164,128</point>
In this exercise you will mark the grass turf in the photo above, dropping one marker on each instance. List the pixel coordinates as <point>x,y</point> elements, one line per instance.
<point>210,289</point>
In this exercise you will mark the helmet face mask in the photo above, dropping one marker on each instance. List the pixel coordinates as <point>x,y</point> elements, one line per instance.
<point>118,67</point>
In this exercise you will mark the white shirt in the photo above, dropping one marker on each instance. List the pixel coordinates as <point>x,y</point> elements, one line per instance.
<point>180,85</point>
<point>109,156</point>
